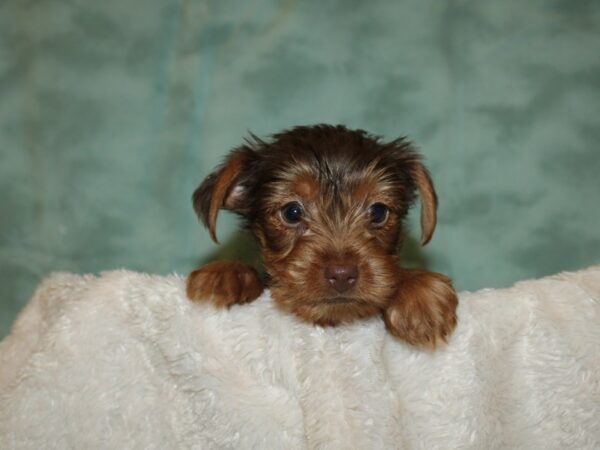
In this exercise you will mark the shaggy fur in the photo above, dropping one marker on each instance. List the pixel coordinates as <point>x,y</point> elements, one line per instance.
<point>336,259</point>
<point>125,361</point>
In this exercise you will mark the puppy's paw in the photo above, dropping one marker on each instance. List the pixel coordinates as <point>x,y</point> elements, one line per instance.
<point>224,283</point>
<point>423,310</point>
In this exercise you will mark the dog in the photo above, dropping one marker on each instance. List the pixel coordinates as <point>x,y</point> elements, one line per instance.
<point>326,204</point>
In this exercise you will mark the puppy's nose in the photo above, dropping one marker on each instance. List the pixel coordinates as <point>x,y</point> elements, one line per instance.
<point>341,278</point>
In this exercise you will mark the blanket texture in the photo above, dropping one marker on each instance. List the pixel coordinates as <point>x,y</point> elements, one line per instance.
<point>123,361</point>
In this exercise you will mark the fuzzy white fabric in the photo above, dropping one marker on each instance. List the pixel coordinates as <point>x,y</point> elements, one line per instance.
<point>125,361</point>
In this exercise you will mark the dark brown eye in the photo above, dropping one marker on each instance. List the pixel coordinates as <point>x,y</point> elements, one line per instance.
<point>292,213</point>
<point>378,213</point>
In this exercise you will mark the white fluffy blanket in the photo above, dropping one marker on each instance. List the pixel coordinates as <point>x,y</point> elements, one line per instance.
<point>125,361</point>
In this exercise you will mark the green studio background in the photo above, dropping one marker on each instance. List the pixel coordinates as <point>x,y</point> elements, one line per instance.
<point>112,112</point>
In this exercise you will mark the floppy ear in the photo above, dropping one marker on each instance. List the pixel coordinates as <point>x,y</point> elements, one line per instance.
<point>428,200</point>
<point>412,167</point>
<point>223,189</point>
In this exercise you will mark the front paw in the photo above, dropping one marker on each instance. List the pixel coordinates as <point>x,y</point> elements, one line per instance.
<point>423,311</point>
<point>224,283</point>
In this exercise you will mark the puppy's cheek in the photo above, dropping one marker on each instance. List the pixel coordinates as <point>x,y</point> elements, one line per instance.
<point>275,238</point>
<point>293,265</point>
<point>297,287</point>
<point>300,283</point>
<point>378,279</point>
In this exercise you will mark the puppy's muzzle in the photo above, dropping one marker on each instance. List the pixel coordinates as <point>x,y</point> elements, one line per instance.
<point>341,277</point>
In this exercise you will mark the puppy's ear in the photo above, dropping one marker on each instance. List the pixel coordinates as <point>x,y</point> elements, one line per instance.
<point>224,188</point>
<point>428,200</point>
<point>411,166</point>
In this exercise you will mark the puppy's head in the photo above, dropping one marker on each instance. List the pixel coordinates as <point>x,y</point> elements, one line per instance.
<point>326,204</point>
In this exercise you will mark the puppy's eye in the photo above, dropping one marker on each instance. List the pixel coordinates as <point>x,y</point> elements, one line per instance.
<point>292,213</point>
<point>378,213</point>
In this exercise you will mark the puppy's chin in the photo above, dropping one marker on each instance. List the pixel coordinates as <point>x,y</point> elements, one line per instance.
<point>340,301</point>
<point>328,311</point>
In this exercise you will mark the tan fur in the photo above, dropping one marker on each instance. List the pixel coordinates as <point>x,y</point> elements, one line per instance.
<point>428,203</point>
<point>224,283</point>
<point>223,188</point>
<point>423,309</point>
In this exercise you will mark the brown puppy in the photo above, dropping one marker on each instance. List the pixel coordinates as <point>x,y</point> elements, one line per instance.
<point>326,204</point>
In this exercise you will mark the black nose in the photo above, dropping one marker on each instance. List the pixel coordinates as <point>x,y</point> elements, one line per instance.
<point>340,277</point>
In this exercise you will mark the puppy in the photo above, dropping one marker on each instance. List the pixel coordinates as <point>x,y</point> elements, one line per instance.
<point>326,205</point>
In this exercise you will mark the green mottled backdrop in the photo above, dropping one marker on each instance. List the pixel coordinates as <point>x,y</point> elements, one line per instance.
<point>112,111</point>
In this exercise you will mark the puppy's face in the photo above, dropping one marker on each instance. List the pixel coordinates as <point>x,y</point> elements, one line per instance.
<point>326,204</point>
